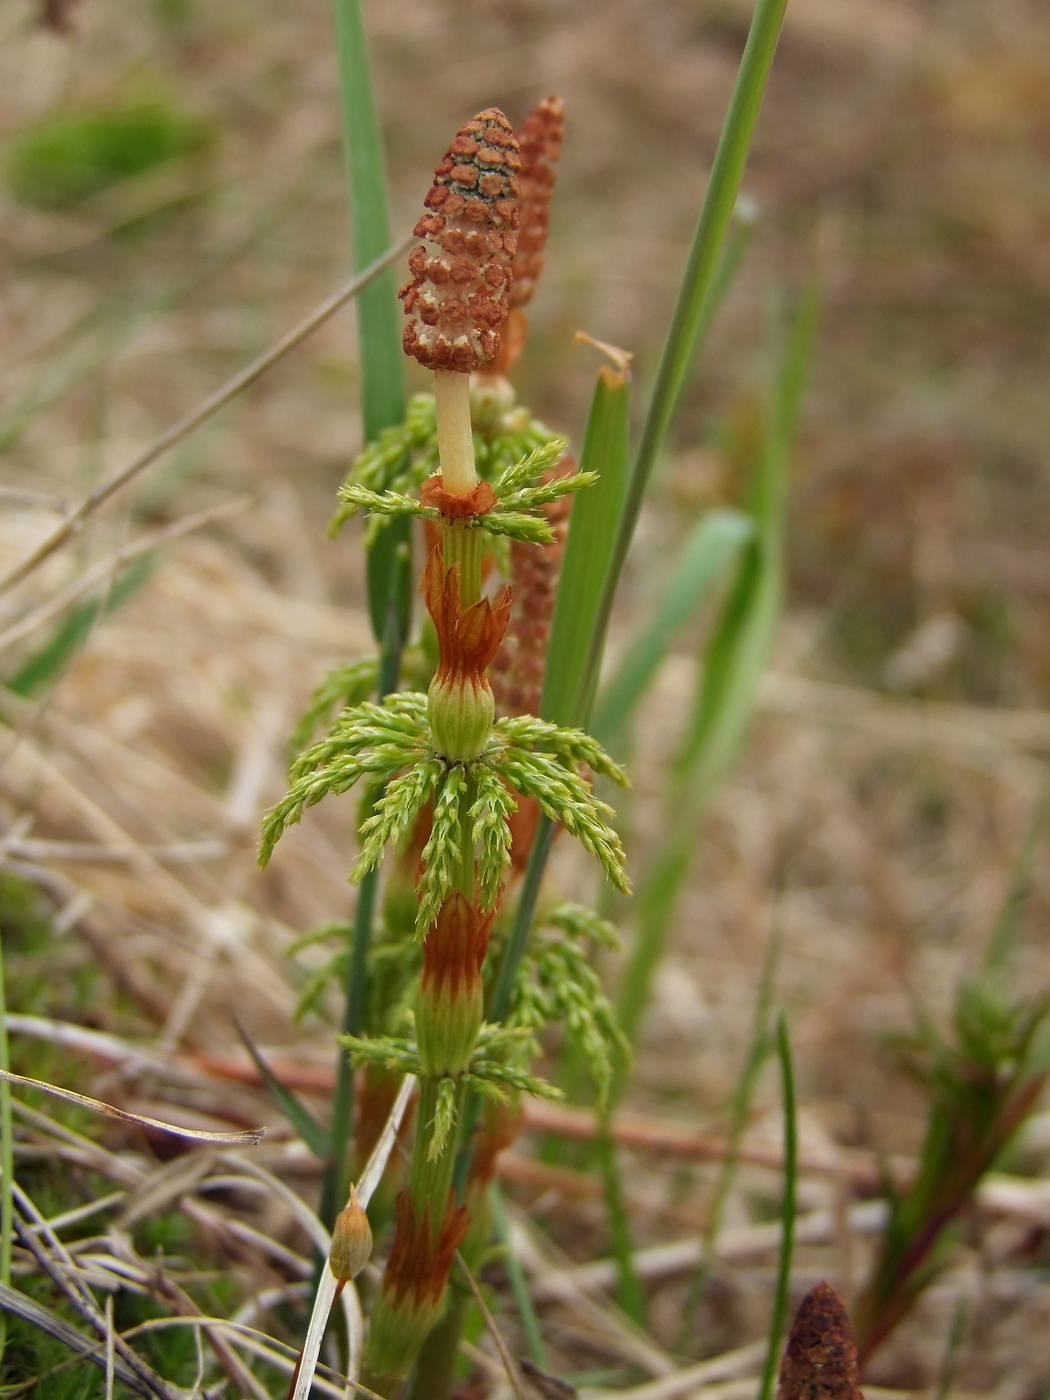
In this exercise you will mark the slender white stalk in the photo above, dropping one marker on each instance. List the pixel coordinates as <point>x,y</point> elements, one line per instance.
<point>355,1334</point>
<point>328,1285</point>
<point>376,1164</point>
<point>454,432</point>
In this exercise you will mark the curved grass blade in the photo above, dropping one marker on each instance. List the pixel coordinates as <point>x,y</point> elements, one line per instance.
<point>737,653</point>
<point>18,1305</point>
<point>629,1292</point>
<point>250,1137</point>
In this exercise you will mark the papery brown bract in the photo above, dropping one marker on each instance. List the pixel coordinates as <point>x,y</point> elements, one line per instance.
<point>458,296</point>
<point>480,501</point>
<point>468,638</point>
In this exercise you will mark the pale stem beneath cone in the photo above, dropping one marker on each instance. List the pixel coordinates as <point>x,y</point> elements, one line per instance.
<point>454,433</point>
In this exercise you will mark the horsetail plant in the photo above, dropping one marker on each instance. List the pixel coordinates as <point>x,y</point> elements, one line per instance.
<point>444,776</point>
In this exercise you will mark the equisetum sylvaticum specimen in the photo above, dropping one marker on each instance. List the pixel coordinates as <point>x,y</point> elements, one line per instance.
<point>453,786</point>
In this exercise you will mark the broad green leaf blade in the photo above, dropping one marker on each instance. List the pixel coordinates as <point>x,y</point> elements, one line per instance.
<point>708,550</point>
<point>300,1117</point>
<point>383,400</point>
<point>577,631</point>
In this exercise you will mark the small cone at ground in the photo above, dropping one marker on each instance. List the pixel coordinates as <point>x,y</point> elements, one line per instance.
<point>820,1360</point>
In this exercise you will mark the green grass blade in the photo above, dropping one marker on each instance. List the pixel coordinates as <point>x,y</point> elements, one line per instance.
<point>738,650</point>
<point>700,279</point>
<point>530,1323</point>
<point>654,909</point>
<point>708,550</point>
<point>48,662</point>
<point>300,1117</point>
<point>733,665</point>
<point>378,318</point>
<point>741,230</point>
<point>952,1349</point>
<point>383,398</point>
<point>336,1184</point>
<point>1020,887</point>
<point>571,677</point>
<point>760,1044</point>
<point>577,636</point>
<point>787,1212</point>
<point>629,1292</point>
<point>571,672</point>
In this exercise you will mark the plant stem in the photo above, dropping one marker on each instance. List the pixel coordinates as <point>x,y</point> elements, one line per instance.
<point>455,434</point>
<point>462,544</point>
<point>512,955</point>
<point>431,1180</point>
<point>435,1371</point>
